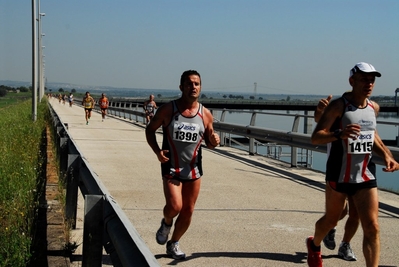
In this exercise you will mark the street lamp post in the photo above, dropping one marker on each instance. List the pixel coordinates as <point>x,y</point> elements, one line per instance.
<point>43,70</point>
<point>34,74</point>
<point>40,52</point>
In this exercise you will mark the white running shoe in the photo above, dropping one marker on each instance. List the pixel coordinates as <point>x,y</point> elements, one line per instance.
<point>345,252</point>
<point>173,249</point>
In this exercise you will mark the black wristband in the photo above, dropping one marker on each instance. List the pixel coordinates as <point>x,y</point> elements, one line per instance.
<point>337,134</point>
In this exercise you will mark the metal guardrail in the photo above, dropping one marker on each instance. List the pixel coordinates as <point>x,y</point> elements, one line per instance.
<point>105,223</point>
<point>264,104</point>
<point>256,135</point>
<point>292,139</point>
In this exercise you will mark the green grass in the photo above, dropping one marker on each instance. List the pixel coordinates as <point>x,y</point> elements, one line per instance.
<point>14,98</point>
<point>21,162</point>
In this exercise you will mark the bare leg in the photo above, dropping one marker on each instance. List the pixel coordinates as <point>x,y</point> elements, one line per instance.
<point>344,211</point>
<point>366,203</point>
<point>180,200</point>
<point>352,223</point>
<point>87,115</point>
<point>335,203</point>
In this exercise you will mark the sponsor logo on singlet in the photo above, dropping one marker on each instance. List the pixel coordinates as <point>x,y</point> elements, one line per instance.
<point>186,127</point>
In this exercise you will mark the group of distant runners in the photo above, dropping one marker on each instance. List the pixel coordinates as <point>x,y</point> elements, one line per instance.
<point>88,104</point>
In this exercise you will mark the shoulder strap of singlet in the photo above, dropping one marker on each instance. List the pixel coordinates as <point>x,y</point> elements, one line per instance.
<point>175,112</point>
<point>337,122</point>
<point>370,103</point>
<point>346,104</point>
<point>175,109</point>
<point>201,111</point>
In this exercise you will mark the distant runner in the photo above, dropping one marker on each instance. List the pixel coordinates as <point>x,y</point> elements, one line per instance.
<point>70,99</point>
<point>88,104</point>
<point>103,102</point>
<point>149,108</point>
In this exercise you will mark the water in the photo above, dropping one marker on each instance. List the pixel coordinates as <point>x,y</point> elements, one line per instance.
<point>387,132</point>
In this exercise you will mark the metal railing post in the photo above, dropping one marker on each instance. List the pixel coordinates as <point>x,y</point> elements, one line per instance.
<point>93,231</point>
<point>63,149</point>
<point>222,134</point>
<point>72,186</point>
<point>294,150</point>
<point>252,140</point>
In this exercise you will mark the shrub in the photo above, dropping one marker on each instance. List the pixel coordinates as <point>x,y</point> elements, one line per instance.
<point>3,92</point>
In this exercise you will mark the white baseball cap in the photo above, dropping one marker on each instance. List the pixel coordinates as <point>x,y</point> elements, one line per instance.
<point>364,67</point>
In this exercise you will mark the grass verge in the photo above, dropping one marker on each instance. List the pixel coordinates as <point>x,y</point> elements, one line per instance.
<point>21,173</point>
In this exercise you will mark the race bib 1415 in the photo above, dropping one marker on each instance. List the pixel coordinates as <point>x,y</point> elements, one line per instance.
<point>363,144</point>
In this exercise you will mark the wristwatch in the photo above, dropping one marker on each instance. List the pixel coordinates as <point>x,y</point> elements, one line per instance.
<point>337,133</point>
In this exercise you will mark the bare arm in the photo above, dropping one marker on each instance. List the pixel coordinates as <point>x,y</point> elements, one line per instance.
<point>323,134</point>
<point>321,106</point>
<point>382,150</point>
<point>160,119</point>
<point>379,147</point>
<point>212,139</point>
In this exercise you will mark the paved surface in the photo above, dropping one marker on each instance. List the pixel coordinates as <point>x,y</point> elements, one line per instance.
<point>251,211</point>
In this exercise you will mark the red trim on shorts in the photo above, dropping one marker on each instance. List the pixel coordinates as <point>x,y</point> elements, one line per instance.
<point>332,184</point>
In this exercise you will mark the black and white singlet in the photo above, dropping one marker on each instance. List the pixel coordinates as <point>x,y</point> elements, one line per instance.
<point>183,137</point>
<point>349,159</point>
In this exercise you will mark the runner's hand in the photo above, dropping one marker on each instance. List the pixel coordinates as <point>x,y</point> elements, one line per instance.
<point>214,138</point>
<point>391,165</point>
<point>350,131</point>
<point>162,156</point>
<point>323,103</point>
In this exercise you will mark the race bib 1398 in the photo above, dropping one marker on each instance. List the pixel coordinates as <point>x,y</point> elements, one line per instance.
<point>186,132</point>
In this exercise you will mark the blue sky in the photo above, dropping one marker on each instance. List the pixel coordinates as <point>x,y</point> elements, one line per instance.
<point>285,46</point>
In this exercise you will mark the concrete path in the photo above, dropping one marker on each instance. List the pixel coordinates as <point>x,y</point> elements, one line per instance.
<point>251,211</point>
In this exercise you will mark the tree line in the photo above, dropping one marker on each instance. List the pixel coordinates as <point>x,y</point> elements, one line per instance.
<point>5,89</point>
